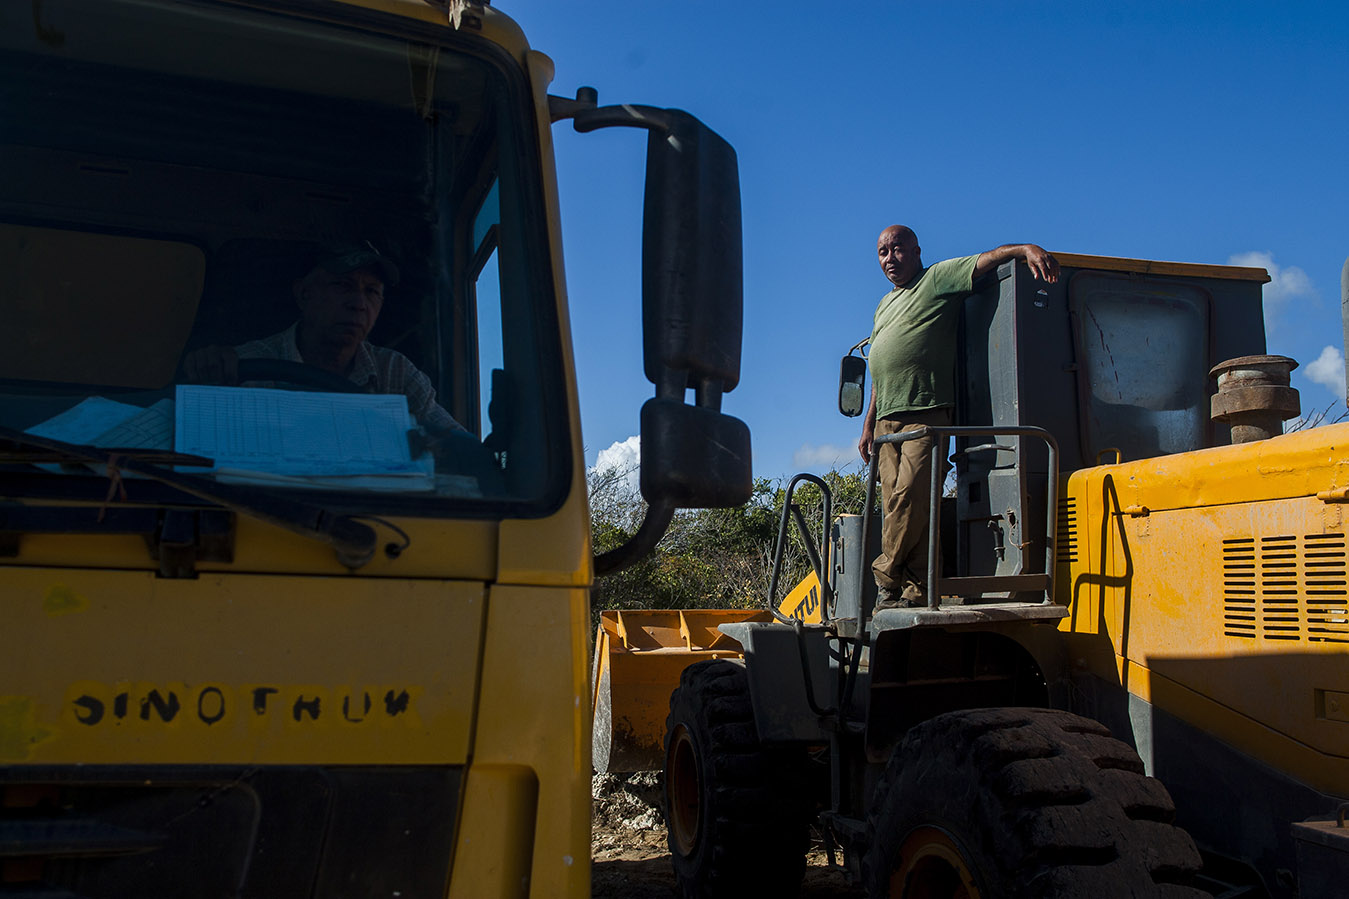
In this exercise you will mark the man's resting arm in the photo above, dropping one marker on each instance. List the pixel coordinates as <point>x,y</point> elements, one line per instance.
<point>1042,264</point>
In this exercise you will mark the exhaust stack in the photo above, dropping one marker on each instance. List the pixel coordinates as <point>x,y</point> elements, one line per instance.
<point>1254,396</point>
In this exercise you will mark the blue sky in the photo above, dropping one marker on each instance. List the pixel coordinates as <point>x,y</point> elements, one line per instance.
<point>1189,131</point>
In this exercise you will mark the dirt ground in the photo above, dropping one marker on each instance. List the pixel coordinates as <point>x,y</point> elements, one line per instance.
<point>630,859</point>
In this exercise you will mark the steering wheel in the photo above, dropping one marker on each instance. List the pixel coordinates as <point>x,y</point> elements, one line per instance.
<point>295,373</point>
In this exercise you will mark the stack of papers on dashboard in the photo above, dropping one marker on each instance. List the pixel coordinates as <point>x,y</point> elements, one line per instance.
<point>300,438</point>
<point>101,422</point>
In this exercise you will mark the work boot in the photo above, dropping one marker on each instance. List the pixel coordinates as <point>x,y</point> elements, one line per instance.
<point>909,598</point>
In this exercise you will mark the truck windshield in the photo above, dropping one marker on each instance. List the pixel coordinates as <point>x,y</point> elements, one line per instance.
<point>314,255</point>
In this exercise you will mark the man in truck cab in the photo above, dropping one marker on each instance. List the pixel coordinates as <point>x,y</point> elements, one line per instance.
<point>339,299</point>
<point>912,361</point>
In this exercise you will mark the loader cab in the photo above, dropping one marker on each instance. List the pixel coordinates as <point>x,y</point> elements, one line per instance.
<point>1113,360</point>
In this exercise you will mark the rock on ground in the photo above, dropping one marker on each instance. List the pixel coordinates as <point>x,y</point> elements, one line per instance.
<point>628,850</point>
<point>631,859</point>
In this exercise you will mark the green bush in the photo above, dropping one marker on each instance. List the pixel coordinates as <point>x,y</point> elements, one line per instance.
<point>710,558</point>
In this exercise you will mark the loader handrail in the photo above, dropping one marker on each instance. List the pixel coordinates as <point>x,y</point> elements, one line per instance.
<point>792,511</point>
<point>941,434</point>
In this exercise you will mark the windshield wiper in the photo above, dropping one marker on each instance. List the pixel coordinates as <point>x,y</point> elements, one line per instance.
<point>353,542</point>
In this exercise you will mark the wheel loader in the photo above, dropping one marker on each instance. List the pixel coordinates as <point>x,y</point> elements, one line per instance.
<point>1130,677</point>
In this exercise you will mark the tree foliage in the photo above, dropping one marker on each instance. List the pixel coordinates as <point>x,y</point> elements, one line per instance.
<point>711,558</point>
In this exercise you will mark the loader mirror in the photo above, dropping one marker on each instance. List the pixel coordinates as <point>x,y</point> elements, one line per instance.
<point>852,382</point>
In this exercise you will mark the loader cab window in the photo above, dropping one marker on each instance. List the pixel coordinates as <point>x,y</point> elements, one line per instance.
<point>213,170</point>
<point>1144,352</point>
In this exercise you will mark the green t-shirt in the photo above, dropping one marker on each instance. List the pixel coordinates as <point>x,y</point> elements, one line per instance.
<point>913,340</point>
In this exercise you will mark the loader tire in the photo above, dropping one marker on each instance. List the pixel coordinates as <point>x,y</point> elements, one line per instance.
<point>738,812</point>
<point>1023,803</point>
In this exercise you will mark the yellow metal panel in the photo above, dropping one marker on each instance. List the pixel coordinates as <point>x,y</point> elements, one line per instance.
<point>640,688</point>
<point>552,551</point>
<point>649,629</point>
<point>1299,464</point>
<point>804,601</point>
<point>639,656</point>
<point>1327,773</point>
<point>533,714</point>
<point>1185,630</point>
<point>446,549</point>
<point>1216,585</point>
<point>701,628</point>
<point>106,667</point>
<point>493,856</point>
<point>555,550</point>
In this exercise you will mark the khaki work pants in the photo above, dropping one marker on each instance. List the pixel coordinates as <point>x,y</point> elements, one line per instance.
<point>905,473</point>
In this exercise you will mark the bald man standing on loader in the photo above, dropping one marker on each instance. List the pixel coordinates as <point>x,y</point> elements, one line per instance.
<point>912,360</point>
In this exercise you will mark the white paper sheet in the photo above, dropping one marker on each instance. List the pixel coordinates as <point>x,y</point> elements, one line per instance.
<point>86,420</point>
<point>149,428</point>
<point>298,433</point>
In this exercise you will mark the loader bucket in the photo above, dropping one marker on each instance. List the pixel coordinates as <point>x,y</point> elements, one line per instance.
<point>639,655</point>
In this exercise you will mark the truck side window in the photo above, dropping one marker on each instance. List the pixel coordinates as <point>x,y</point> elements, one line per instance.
<point>487,304</point>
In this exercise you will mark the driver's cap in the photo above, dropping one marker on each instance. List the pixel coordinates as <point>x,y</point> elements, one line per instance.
<point>339,260</point>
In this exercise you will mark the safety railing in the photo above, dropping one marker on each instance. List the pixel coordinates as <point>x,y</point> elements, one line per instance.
<point>938,586</point>
<point>792,512</point>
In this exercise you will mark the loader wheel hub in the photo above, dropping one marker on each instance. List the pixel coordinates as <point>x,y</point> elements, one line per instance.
<point>932,866</point>
<point>684,790</point>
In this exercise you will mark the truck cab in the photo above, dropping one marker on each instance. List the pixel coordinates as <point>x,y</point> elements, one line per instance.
<point>285,630</point>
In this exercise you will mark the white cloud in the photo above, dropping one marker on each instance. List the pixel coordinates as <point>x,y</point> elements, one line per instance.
<point>823,456</point>
<point>1285,285</point>
<point>623,458</point>
<point>1328,371</point>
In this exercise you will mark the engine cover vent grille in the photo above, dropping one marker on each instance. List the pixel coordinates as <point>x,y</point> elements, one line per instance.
<point>1239,587</point>
<point>1286,587</point>
<point>1066,533</point>
<point>1325,579</point>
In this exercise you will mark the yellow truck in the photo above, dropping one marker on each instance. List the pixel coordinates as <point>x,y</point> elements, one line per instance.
<point>288,628</point>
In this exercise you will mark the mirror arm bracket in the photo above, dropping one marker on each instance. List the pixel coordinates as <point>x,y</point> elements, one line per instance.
<point>657,520</point>
<point>560,108</point>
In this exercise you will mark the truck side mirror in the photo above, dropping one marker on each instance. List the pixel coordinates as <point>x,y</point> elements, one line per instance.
<point>852,382</point>
<point>693,456</point>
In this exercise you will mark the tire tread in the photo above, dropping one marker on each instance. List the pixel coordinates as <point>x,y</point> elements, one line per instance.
<point>755,835</point>
<point>1049,804</point>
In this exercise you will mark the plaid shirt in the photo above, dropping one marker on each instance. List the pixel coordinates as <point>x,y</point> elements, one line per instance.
<point>375,368</point>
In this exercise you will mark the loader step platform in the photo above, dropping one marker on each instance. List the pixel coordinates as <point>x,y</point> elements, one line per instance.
<point>954,615</point>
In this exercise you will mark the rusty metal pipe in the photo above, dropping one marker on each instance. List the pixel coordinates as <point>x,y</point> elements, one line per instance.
<point>1254,397</point>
